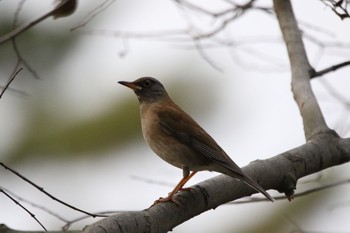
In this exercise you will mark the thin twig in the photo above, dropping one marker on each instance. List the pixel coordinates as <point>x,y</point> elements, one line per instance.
<point>307,192</point>
<point>329,69</point>
<point>18,10</point>
<point>92,14</point>
<point>338,7</point>
<point>48,194</point>
<point>10,81</point>
<point>43,208</point>
<point>22,28</point>
<point>68,223</point>
<point>105,213</point>
<point>205,56</point>
<point>24,208</point>
<point>22,60</point>
<point>194,7</point>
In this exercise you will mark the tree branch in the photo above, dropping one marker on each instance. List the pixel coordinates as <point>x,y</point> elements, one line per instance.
<point>329,69</point>
<point>47,193</point>
<point>13,76</point>
<point>312,116</point>
<point>63,8</point>
<point>5,229</point>
<point>24,208</point>
<point>280,172</point>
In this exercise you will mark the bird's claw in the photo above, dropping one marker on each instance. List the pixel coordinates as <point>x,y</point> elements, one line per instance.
<point>170,197</point>
<point>166,199</point>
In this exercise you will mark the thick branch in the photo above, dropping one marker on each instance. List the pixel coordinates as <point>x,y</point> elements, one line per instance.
<point>280,172</point>
<point>301,69</point>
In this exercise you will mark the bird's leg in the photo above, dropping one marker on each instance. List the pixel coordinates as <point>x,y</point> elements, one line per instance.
<point>178,187</point>
<point>186,173</point>
<point>183,181</point>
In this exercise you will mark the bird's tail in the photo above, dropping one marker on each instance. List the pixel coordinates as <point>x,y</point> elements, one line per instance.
<point>252,183</point>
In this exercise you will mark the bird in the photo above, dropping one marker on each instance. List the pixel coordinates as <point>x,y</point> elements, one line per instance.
<point>176,138</point>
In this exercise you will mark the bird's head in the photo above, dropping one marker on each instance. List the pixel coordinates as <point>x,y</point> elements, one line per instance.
<point>147,89</point>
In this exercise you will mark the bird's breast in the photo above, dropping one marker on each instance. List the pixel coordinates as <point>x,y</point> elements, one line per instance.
<point>163,144</point>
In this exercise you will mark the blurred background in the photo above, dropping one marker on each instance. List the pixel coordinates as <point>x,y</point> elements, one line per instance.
<point>76,132</point>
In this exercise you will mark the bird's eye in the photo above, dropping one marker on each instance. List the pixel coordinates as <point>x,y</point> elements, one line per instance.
<point>146,83</point>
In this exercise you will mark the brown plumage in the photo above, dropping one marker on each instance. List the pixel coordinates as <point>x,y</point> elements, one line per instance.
<point>176,138</point>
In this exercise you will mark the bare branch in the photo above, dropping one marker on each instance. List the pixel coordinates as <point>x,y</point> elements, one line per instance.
<point>105,213</point>
<point>323,44</point>
<point>329,69</point>
<point>19,8</point>
<point>312,116</point>
<point>5,229</point>
<point>92,14</point>
<point>280,172</point>
<point>24,208</point>
<point>339,7</point>
<point>205,56</point>
<point>67,222</point>
<point>46,193</point>
<point>20,59</point>
<point>196,8</point>
<point>43,208</point>
<point>13,76</point>
<point>301,194</point>
<point>58,11</point>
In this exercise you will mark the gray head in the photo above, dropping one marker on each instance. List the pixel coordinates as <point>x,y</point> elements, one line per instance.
<point>147,89</point>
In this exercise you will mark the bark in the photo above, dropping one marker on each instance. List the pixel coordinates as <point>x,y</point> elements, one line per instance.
<point>280,172</point>
<point>310,111</point>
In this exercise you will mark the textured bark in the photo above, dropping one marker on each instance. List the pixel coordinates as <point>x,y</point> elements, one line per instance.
<point>280,172</point>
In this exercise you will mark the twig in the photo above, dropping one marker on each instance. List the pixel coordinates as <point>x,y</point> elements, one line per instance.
<point>307,192</point>
<point>18,10</point>
<point>323,44</point>
<point>92,14</point>
<point>43,208</point>
<point>194,7</point>
<point>10,81</point>
<point>137,35</point>
<point>329,69</point>
<point>22,60</point>
<point>105,213</point>
<point>24,208</point>
<point>48,194</point>
<point>338,7</point>
<point>32,23</point>
<point>221,27</point>
<point>205,56</point>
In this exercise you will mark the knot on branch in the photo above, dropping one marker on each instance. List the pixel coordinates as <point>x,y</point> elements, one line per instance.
<point>288,185</point>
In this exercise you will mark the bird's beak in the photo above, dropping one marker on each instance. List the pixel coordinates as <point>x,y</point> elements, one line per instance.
<point>130,85</point>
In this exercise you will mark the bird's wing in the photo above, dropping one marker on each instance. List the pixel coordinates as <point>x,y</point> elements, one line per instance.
<point>176,123</point>
<point>181,126</point>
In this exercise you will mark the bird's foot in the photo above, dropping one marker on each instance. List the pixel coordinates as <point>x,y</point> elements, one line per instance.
<point>181,189</point>
<point>169,198</point>
<point>185,189</point>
